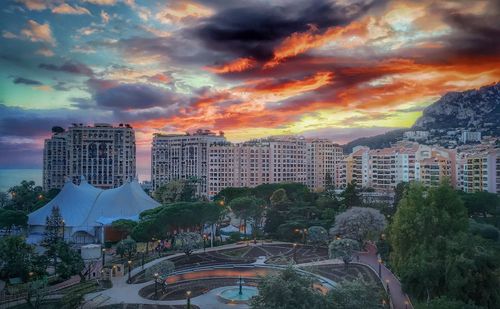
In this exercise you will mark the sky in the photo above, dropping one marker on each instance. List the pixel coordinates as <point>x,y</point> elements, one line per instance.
<point>338,69</point>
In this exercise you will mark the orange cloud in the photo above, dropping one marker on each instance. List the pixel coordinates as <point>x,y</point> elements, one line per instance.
<point>238,65</point>
<point>300,42</point>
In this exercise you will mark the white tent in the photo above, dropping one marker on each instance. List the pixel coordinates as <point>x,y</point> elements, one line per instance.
<point>87,209</point>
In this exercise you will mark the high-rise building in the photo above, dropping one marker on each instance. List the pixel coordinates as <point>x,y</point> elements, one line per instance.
<point>55,160</point>
<point>324,164</point>
<point>103,154</point>
<point>478,170</point>
<point>182,156</point>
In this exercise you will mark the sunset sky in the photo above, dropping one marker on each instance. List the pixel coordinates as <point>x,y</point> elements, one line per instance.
<point>337,69</point>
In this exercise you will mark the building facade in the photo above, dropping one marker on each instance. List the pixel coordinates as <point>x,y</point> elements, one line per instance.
<point>105,155</point>
<point>478,170</point>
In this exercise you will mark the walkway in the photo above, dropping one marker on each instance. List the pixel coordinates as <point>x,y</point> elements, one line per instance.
<point>122,292</point>
<point>399,298</point>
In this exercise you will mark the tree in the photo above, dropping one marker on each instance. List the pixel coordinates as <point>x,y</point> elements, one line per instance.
<point>317,236</point>
<point>12,218</point>
<point>54,227</point>
<point>36,292</point>
<point>18,259</point>
<point>350,196</point>
<point>356,294</point>
<point>246,207</point>
<point>188,242</point>
<point>287,290</point>
<point>182,190</point>
<point>399,192</point>
<point>4,199</point>
<point>359,223</point>
<point>124,226</point>
<point>70,261</point>
<point>445,303</point>
<point>163,269</point>
<point>343,249</point>
<point>26,196</point>
<point>126,247</point>
<point>482,204</point>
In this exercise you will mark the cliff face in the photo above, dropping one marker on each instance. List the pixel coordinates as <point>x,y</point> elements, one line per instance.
<point>477,110</point>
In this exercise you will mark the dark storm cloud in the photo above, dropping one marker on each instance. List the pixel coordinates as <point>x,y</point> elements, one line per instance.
<point>253,31</point>
<point>26,81</point>
<point>68,67</point>
<point>133,96</point>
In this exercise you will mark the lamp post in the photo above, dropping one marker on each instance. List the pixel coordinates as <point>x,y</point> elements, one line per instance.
<point>142,260</point>
<point>380,268</point>
<point>295,252</point>
<point>103,257</point>
<point>204,242</point>
<point>129,268</point>
<point>188,293</point>
<point>304,231</point>
<point>156,285</point>
<point>406,304</point>
<point>387,286</point>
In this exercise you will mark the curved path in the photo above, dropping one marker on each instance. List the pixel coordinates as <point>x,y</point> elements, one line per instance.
<point>399,298</point>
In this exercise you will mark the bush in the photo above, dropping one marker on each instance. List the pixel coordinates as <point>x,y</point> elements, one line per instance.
<point>234,237</point>
<point>163,268</point>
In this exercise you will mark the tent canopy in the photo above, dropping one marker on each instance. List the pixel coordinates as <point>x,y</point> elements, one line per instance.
<point>86,206</point>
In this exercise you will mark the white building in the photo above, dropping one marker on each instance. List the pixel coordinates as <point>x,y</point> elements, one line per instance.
<point>104,154</point>
<point>470,136</point>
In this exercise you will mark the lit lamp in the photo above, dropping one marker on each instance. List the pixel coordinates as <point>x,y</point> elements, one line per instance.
<point>387,285</point>
<point>129,268</point>
<point>406,304</point>
<point>103,257</point>
<point>380,268</point>
<point>295,252</point>
<point>188,293</point>
<point>156,285</point>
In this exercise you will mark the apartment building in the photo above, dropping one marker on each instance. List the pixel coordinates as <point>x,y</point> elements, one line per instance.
<point>105,155</point>
<point>357,166</point>
<point>478,170</point>
<point>324,164</point>
<point>435,169</point>
<point>182,156</point>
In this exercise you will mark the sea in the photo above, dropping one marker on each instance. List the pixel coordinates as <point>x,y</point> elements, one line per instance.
<point>12,177</point>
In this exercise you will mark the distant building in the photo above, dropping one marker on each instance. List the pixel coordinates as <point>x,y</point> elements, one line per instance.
<point>182,156</point>
<point>324,164</point>
<point>470,136</point>
<point>416,135</point>
<point>103,154</point>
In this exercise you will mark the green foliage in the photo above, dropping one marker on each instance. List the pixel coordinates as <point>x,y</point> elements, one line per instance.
<point>18,259</point>
<point>54,227</point>
<point>399,192</point>
<point>71,300</point>
<point>163,269</point>
<point>127,248</point>
<point>317,236</point>
<point>27,197</point>
<point>487,231</point>
<point>70,261</point>
<point>343,249</point>
<point>234,236</point>
<point>248,207</point>
<point>433,254</point>
<point>124,226</point>
<point>183,190</point>
<point>356,294</point>
<point>12,218</point>
<point>188,242</point>
<point>350,196</point>
<point>287,290</point>
<point>445,303</point>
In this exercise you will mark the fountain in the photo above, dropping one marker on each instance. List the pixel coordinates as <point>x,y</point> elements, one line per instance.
<point>239,295</point>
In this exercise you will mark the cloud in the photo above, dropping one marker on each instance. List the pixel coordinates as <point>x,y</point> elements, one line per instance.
<point>133,96</point>
<point>237,65</point>
<point>65,8</point>
<point>68,67</point>
<point>34,5</point>
<point>9,35</point>
<point>26,81</point>
<point>36,32</point>
<point>45,52</point>
<point>101,2</point>
<point>180,11</point>
<point>104,17</point>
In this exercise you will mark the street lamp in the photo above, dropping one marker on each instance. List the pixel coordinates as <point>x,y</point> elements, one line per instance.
<point>406,304</point>
<point>129,268</point>
<point>156,285</point>
<point>387,286</point>
<point>295,252</point>
<point>103,257</point>
<point>304,231</point>
<point>380,268</point>
<point>204,242</point>
<point>188,293</point>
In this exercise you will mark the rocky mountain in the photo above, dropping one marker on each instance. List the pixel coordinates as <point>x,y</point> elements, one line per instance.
<point>476,110</point>
<point>473,110</point>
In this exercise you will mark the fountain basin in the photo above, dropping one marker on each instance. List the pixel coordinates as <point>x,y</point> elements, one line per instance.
<point>231,295</point>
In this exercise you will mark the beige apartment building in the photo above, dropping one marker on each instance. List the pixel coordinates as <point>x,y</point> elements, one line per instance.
<point>219,164</point>
<point>105,155</point>
<point>479,170</point>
